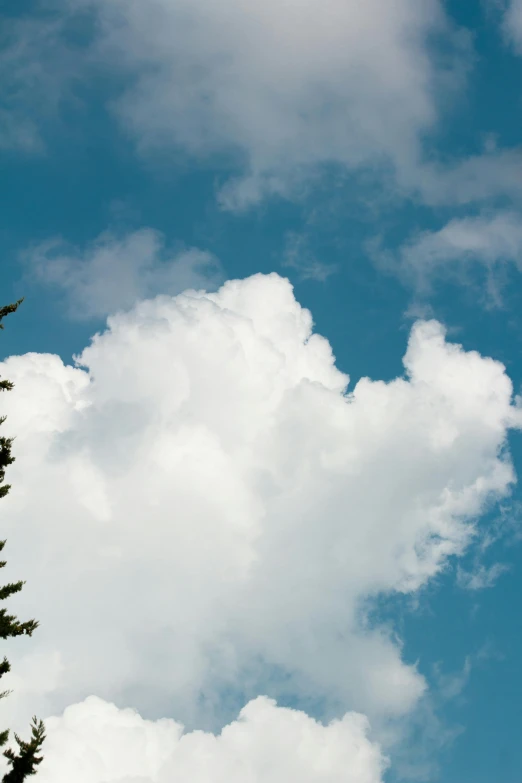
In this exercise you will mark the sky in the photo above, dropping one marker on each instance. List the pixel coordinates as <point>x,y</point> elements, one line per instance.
<point>268,387</point>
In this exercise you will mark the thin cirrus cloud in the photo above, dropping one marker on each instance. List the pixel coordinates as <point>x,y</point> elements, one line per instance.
<point>222,511</point>
<point>481,577</point>
<point>115,271</point>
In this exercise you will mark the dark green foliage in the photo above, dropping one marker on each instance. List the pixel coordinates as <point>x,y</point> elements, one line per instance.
<point>24,760</point>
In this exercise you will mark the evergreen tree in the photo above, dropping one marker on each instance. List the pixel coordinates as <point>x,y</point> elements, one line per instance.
<point>25,759</point>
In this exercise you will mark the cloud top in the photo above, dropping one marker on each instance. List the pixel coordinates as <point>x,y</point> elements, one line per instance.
<point>94,741</point>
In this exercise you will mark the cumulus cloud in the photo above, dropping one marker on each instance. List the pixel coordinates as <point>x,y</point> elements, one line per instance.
<point>489,240</point>
<point>95,741</point>
<point>114,272</point>
<point>210,511</point>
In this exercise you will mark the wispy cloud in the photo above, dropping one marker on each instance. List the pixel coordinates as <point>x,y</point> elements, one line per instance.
<point>513,23</point>
<point>282,88</point>
<point>277,92</point>
<point>451,685</point>
<point>488,242</point>
<point>299,257</point>
<point>115,271</point>
<point>38,67</point>
<point>481,577</point>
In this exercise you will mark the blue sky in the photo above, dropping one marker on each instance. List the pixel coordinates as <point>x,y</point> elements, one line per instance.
<point>372,157</point>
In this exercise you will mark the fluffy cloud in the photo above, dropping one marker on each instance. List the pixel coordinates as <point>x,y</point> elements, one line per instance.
<point>487,240</point>
<point>94,741</point>
<point>209,511</point>
<point>115,272</point>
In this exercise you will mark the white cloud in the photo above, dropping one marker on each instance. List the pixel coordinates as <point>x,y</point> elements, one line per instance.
<point>209,513</point>
<point>94,742</point>
<point>114,272</point>
<point>487,240</point>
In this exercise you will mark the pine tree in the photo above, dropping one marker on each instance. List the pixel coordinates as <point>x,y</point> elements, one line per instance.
<point>25,759</point>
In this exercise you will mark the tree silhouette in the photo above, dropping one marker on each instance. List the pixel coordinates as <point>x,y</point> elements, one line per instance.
<point>25,758</point>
